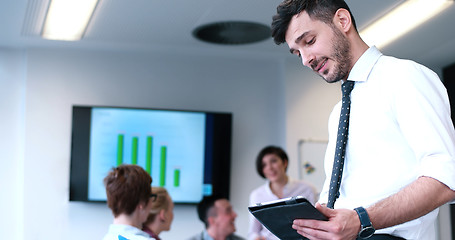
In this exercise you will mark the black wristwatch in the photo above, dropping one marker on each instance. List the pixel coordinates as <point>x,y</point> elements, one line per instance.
<point>367,230</point>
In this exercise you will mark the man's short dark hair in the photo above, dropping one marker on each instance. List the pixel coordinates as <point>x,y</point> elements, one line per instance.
<point>126,187</point>
<point>206,208</point>
<point>322,10</point>
<point>269,150</point>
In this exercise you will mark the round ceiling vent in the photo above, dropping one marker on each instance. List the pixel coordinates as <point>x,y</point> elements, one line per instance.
<point>232,32</point>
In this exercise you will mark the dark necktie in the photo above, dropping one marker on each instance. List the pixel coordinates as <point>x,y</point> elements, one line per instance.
<point>342,138</point>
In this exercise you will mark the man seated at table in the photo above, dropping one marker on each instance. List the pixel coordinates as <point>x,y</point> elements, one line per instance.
<point>219,217</point>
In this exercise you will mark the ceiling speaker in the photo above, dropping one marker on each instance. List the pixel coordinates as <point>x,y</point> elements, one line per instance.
<point>232,32</point>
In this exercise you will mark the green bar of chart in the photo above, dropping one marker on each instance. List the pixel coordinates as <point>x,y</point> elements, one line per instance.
<point>120,139</point>
<point>148,157</point>
<point>176,177</point>
<point>163,166</point>
<point>149,152</point>
<point>134,145</point>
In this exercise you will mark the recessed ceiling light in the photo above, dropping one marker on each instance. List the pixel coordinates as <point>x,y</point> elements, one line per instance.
<point>401,20</point>
<point>68,19</point>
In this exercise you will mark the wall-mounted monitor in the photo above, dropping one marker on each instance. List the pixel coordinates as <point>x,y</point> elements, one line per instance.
<point>187,152</point>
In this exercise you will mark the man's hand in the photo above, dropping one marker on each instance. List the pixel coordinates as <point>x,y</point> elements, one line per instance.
<point>343,224</point>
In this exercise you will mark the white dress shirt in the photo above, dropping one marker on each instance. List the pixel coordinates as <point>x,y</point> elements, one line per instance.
<point>400,129</point>
<point>264,194</point>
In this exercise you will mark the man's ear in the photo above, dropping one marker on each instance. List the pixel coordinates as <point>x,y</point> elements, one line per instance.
<point>342,20</point>
<point>211,221</point>
<point>140,206</point>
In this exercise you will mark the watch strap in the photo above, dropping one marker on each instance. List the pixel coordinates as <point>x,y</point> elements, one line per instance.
<point>363,216</point>
<point>366,229</point>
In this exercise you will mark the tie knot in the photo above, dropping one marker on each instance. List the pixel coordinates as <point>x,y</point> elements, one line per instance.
<point>347,87</point>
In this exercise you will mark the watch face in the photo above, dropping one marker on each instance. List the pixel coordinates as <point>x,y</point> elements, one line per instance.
<point>366,232</point>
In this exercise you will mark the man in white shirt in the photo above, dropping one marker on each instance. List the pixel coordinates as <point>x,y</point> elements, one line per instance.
<point>400,154</point>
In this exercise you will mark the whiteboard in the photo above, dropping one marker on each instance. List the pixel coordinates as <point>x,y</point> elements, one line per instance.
<point>311,162</point>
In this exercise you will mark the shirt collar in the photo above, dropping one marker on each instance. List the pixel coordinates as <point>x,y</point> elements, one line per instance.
<point>121,228</point>
<point>269,190</point>
<point>364,65</point>
<point>206,235</point>
<point>151,233</point>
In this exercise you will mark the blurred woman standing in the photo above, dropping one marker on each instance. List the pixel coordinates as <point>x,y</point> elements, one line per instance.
<point>271,164</point>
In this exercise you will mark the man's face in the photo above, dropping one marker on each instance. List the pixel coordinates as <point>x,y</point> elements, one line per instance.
<point>225,217</point>
<point>322,47</point>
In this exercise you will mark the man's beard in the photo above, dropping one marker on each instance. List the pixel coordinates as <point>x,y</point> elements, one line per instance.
<point>341,55</point>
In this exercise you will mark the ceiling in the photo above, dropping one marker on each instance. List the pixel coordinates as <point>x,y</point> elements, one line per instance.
<point>166,26</point>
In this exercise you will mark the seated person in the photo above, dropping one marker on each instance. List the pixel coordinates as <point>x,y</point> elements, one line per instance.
<point>128,196</point>
<point>218,216</point>
<point>161,215</point>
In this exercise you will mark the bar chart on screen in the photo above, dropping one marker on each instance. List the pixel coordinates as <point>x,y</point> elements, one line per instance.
<point>169,146</point>
<point>148,158</point>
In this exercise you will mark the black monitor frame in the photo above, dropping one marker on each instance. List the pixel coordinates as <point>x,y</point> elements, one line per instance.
<point>217,162</point>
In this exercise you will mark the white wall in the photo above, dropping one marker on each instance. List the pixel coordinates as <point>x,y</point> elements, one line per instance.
<point>12,106</point>
<point>54,80</point>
